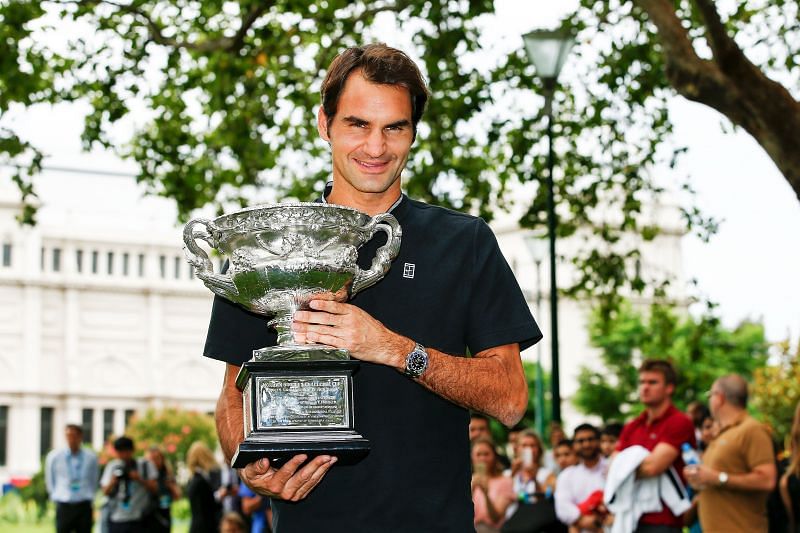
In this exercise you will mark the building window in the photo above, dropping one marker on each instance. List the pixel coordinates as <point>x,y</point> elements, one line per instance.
<point>125,260</point>
<point>177,267</point>
<point>3,434</point>
<point>108,423</point>
<point>95,261</point>
<point>128,415</point>
<point>79,260</point>
<point>6,254</point>
<point>141,265</point>
<point>110,262</point>
<point>41,259</point>
<point>191,272</point>
<point>46,430</point>
<point>162,265</point>
<point>87,424</point>
<point>56,259</point>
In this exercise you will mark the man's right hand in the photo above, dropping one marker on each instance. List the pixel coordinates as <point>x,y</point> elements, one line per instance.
<point>290,482</point>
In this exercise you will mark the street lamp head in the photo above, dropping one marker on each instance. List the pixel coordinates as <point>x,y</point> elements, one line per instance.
<point>537,246</point>
<point>548,50</point>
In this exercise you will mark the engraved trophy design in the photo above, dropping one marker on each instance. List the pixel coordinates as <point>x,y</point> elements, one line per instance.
<point>296,398</point>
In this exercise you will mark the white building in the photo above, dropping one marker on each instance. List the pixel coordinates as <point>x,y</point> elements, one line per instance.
<point>101,317</point>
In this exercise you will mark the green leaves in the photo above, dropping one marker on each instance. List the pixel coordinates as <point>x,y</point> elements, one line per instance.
<point>701,349</point>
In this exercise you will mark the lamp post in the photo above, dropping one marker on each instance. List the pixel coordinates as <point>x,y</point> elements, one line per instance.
<point>548,51</point>
<point>538,250</point>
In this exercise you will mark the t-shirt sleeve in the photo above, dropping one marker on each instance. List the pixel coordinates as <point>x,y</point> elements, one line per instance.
<point>234,332</point>
<point>624,438</point>
<point>498,313</point>
<point>758,451</point>
<point>680,430</point>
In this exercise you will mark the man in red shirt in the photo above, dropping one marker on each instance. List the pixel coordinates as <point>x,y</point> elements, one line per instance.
<point>662,429</point>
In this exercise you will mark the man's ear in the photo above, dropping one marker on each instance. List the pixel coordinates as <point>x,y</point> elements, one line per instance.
<point>322,124</point>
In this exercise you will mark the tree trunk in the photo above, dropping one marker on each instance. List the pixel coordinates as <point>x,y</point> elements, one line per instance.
<point>730,83</point>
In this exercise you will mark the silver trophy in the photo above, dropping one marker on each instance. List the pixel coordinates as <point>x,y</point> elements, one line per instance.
<point>297,398</point>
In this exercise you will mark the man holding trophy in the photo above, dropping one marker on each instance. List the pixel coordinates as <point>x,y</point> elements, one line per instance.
<point>449,293</point>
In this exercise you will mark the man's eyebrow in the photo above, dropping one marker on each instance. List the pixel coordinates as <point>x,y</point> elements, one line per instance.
<point>354,120</point>
<point>351,119</point>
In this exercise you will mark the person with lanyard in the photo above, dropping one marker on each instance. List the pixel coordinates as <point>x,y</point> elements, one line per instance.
<point>449,293</point>
<point>71,476</point>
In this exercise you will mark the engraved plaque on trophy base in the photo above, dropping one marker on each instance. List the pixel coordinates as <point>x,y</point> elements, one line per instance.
<point>298,407</point>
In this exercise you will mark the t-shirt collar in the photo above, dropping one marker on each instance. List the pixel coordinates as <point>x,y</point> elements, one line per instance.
<point>329,187</point>
<point>665,414</point>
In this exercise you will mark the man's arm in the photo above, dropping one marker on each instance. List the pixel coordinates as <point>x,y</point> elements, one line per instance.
<point>48,473</point>
<point>760,478</point>
<point>658,461</point>
<point>290,482</point>
<point>492,381</point>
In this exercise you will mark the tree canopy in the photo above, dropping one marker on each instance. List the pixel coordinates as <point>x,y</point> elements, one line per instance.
<point>701,349</point>
<point>220,95</point>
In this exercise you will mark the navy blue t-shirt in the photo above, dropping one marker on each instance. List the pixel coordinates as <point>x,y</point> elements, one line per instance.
<point>449,289</point>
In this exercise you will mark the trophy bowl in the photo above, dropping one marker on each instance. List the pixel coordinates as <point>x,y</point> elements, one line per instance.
<point>297,398</point>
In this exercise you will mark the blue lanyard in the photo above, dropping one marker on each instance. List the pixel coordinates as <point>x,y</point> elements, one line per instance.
<point>75,467</point>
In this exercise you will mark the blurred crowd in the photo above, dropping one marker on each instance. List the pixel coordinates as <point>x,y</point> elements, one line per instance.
<point>713,468</point>
<point>138,492</point>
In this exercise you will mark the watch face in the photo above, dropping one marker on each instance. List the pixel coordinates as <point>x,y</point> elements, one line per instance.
<point>416,362</point>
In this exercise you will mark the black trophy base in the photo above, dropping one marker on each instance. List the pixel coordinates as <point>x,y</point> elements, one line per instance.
<point>298,407</point>
<point>346,452</point>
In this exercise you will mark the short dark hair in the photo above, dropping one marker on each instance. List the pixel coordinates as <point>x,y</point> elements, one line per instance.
<point>587,427</point>
<point>74,427</point>
<point>612,429</point>
<point>379,64</point>
<point>123,444</point>
<point>564,442</point>
<point>478,416</point>
<point>663,367</point>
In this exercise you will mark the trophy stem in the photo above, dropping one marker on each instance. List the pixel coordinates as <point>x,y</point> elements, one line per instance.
<point>283,325</point>
<point>288,350</point>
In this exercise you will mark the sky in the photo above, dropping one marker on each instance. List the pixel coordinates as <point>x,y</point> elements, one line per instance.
<point>750,268</point>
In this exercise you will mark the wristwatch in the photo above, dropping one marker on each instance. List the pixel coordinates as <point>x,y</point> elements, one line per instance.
<point>723,478</point>
<point>416,362</point>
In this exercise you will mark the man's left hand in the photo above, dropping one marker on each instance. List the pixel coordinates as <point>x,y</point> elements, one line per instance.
<point>343,325</point>
<point>700,476</point>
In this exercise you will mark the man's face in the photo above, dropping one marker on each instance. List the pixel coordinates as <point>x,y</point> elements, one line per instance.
<point>653,389</point>
<point>478,427</point>
<point>370,137</point>
<point>74,438</point>
<point>125,455</point>
<point>715,400</point>
<point>607,444</point>
<point>586,445</point>
<point>557,435</point>
<point>565,456</point>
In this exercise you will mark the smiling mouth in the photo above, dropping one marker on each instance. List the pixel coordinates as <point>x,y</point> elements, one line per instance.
<point>372,165</point>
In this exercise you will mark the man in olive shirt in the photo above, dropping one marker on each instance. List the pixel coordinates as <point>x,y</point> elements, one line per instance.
<point>738,470</point>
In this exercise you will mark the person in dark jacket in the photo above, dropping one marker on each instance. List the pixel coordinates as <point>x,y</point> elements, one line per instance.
<point>206,510</point>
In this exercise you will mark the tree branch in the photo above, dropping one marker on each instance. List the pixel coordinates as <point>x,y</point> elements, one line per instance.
<point>727,53</point>
<point>230,44</point>
<point>730,83</point>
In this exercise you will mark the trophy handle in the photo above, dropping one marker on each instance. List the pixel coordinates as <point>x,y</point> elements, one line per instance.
<point>385,254</point>
<point>220,284</point>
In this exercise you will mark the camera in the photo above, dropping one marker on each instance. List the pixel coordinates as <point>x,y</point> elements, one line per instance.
<point>123,471</point>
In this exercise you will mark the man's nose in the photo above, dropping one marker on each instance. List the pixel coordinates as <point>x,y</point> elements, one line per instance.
<point>375,143</point>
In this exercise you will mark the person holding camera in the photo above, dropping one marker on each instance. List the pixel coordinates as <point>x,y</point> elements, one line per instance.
<point>129,484</point>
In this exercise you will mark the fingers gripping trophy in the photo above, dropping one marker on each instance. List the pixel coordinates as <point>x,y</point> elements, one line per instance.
<point>297,398</point>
